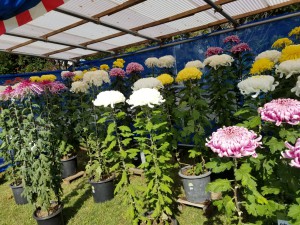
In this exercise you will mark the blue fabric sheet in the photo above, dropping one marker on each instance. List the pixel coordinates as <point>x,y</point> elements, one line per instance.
<point>11,8</point>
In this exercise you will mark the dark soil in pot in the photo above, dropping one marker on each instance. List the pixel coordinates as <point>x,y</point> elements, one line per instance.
<point>103,190</point>
<point>17,191</point>
<point>56,218</point>
<point>69,167</point>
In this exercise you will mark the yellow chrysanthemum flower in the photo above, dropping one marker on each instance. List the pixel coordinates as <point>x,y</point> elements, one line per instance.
<point>104,67</point>
<point>261,65</point>
<point>77,77</point>
<point>93,69</point>
<point>49,77</point>
<point>290,52</point>
<point>165,79</point>
<point>191,73</point>
<point>282,43</point>
<point>35,79</point>
<point>84,71</point>
<point>117,64</point>
<point>120,60</point>
<point>295,31</point>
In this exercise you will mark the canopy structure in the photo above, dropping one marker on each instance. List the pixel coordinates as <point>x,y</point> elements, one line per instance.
<point>76,28</point>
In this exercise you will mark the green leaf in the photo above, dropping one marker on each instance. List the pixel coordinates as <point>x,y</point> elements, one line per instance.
<point>124,129</point>
<point>219,185</point>
<point>294,213</point>
<point>269,190</point>
<point>243,174</point>
<point>217,166</point>
<point>275,145</point>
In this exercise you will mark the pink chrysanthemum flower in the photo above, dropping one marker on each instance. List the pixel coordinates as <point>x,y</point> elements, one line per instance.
<point>26,87</point>
<point>54,87</point>
<point>213,51</point>
<point>117,72</point>
<point>7,93</point>
<point>235,142</point>
<point>281,110</point>
<point>293,153</point>
<point>242,47</point>
<point>134,67</point>
<point>232,39</point>
<point>67,74</point>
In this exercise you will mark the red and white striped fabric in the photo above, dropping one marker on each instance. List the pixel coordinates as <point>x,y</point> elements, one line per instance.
<point>22,18</point>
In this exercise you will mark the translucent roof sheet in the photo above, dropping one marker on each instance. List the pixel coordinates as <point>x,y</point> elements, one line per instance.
<point>75,24</point>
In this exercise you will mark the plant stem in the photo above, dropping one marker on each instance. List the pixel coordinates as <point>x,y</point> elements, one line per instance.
<point>235,191</point>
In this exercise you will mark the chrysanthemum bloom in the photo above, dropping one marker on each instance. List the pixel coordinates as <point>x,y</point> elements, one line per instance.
<point>149,82</point>
<point>272,55</point>
<point>196,63</point>
<point>79,87</point>
<point>77,77</point>
<point>165,79</point>
<point>232,39</point>
<point>213,51</point>
<point>235,142</point>
<point>109,98</point>
<point>53,87</point>
<point>117,72</point>
<point>242,47</point>
<point>67,75</point>
<point>104,67</point>
<point>166,61</point>
<point>296,89</point>
<point>282,43</point>
<point>145,96</point>
<point>261,65</point>
<point>27,87</point>
<point>256,84</point>
<point>117,64</point>
<point>295,31</point>
<point>7,94</point>
<point>288,68</point>
<point>35,79</point>
<point>191,73</point>
<point>290,52</point>
<point>104,75</point>
<point>120,60</point>
<point>293,153</point>
<point>281,111</point>
<point>49,77</point>
<point>216,61</point>
<point>151,62</point>
<point>134,67</point>
<point>92,78</point>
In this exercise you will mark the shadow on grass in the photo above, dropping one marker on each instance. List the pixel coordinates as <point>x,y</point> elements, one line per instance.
<point>82,193</point>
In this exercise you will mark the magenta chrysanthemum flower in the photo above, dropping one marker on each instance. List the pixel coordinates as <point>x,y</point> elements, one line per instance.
<point>232,39</point>
<point>213,51</point>
<point>67,74</point>
<point>27,87</point>
<point>134,67</point>
<point>53,87</point>
<point>117,72</point>
<point>281,110</point>
<point>7,93</point>
<point>293,153</point>
<point>235,142</point>
<point>242,47</point>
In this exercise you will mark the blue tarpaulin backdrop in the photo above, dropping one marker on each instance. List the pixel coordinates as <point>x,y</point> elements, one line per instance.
<point>10,8</point>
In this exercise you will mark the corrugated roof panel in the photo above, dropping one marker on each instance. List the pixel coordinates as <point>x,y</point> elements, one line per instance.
<point>54,20</point>
<point>102,46</point>
<point>199,2</point>
<point>65,55</point>
<point>88,7</point>
<point>159,30</point>
<point>68,38</point>
<point>80,51</point>
<point>127,18</point>
<point>212,13</point>
<point>30,30</point>
<point>242,6</point>
<point>91,31</point>
<point>39,48</point>
<point>157,9</point>
<point>7,41</point>
<point>124,40</point>
<point>119,1</point>
<point>275,2</point>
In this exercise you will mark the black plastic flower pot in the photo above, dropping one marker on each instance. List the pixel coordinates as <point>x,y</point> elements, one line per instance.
<point>17,191</point>
<point>194,186</point>
<point>103,190</point>
<point>69,167</point>
<point>53,219</point>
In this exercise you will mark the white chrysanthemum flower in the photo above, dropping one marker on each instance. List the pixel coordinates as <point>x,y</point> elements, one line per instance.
<point>93,78</point>
<point>296,89</point>
<point>216,61</point>
<point>288,68</point>
<point>2,88</point>
<point>78,72</point>
<point>151,62</point>
<point>145,96</point>
<point>109,98</point>
<point>167,61</point>
<point>272,55</point>
<point>149,82</point>
<point>104,75</point>
<point>79,87</point>
<point>197,63</point>
<point>256,84</point>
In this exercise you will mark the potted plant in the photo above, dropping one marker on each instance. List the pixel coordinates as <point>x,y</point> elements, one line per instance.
<point>192,114</point>
<point>134,71</point>
<point>152,135</point>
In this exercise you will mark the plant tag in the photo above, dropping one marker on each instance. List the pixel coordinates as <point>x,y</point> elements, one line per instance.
<point>282,222</point>
<point>191,186</point>
<point>93,189</point>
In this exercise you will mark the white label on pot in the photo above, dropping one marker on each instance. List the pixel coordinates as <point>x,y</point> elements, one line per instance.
<point>93,189</point>
<point>191,186</point>
<point>283,222</point>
